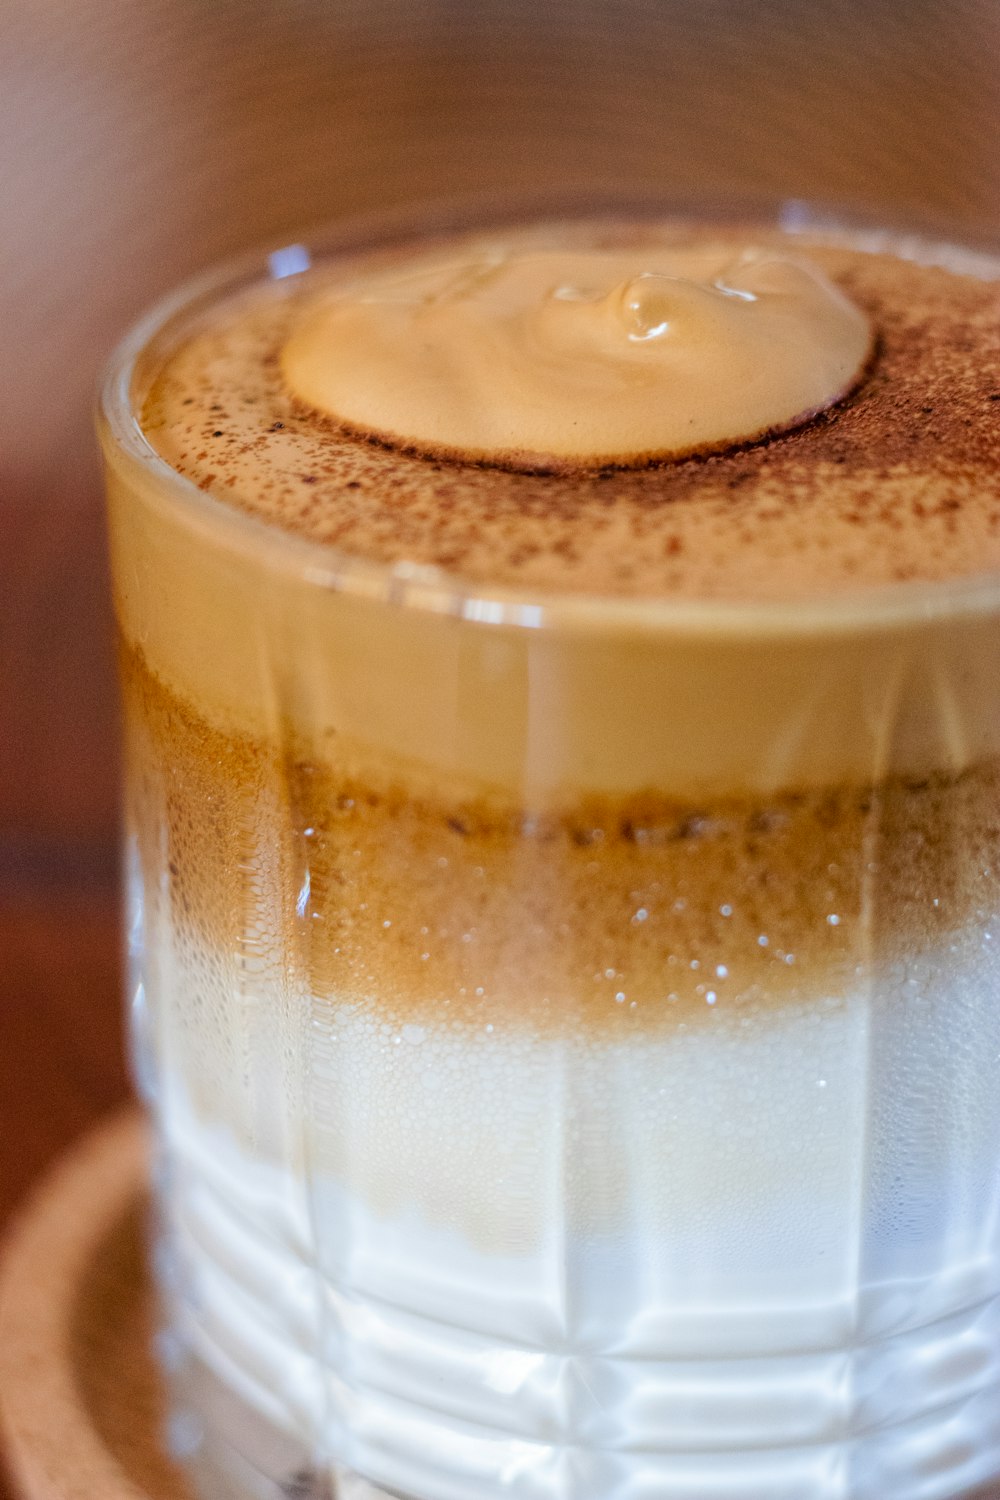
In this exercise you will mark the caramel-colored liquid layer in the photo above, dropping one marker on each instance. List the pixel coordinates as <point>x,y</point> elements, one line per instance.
<point>614,915</point>
<point>899,482</point>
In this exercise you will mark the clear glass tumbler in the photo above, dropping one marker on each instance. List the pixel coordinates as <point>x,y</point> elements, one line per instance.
<point>570,1023</point>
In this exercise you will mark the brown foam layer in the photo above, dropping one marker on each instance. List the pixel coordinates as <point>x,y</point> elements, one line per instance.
<point>586,358</point>
<point>617,915</point>
<point>901,482</point>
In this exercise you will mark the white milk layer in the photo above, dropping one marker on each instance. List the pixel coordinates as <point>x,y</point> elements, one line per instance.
<point>754,1255</point>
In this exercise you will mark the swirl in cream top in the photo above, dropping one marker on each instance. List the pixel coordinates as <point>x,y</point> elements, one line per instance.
<point>578,357</point>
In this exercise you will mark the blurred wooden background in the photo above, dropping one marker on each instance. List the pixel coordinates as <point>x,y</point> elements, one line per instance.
<point>140,139</point>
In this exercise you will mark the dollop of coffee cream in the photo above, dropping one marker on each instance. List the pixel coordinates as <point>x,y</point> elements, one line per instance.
<point>581,357</point>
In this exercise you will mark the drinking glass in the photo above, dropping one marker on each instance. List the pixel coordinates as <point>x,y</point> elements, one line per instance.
<point>570,1023</point>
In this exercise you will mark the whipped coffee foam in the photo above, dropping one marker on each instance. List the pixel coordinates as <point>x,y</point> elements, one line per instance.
<point>897,482</point>
<point>586,357</point>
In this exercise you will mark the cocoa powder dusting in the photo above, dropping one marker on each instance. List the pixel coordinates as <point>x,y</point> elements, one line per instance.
<point>900,481</point>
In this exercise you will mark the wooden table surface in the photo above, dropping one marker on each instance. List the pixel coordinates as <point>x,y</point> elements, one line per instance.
<point>61,1055</point>
<point>140,139</point>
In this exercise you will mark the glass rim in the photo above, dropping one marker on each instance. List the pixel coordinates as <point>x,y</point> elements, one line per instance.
<point>427,587</point>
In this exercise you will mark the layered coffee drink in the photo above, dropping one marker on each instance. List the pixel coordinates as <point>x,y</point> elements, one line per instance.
<point>560,663</point>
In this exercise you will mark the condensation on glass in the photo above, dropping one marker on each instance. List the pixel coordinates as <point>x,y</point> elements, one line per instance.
<point>571,1025</point>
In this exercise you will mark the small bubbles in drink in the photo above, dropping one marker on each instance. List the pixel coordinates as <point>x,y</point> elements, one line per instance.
<point>442,862</point>
<point>424,957</point>
<point>763,941</point>
<point>770,820</point>
<point>611,974</point>
<point>640,915</point>
<point>725,910</point>
<point>680,904</point>
<point>833,920</point>
<point>387,923</point>
<point>789,958</point>
<point>695,963</point>
<point>620,997</point>
<point>821,1083</point>
<point>480,990</point>
<point>721,972</point>
<point>711,997</point>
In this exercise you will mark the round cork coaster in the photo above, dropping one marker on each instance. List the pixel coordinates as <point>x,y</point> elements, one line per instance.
<point>81,1404</point>
<point>81,1400</point>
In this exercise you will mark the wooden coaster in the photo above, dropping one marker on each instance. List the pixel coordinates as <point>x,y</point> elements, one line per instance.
<point>81,1403</point>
